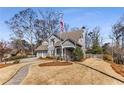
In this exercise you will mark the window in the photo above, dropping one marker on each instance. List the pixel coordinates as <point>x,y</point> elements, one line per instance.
<point>52,41</point>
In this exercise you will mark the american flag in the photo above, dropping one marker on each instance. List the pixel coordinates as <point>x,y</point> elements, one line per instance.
<point>61,25</point>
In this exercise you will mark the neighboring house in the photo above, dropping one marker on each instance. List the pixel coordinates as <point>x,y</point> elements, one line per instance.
<point>7,54</point>
<point>16,52</point>
<point>61,44</point>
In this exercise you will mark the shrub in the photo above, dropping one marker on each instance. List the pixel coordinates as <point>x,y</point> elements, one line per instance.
<point>49,57</point>
<point>97,50</point>
<point>78,54</point>
<point>89,51</point>
<point>118,58</point>
<point>16,62</point>
<point>107,57</point>
<point>40,58</point>
<point>58,58</point>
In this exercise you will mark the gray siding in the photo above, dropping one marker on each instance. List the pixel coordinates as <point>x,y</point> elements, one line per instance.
<point>50,44</point>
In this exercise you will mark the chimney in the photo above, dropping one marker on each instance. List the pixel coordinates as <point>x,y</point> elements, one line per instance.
<point>83,40</point>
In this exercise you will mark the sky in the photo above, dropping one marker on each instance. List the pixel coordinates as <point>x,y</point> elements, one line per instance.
<point>75,17</point>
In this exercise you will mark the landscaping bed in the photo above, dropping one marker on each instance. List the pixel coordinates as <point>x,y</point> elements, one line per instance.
<point>55,64</point>
<point>118,69</point>
<point>5,65</point>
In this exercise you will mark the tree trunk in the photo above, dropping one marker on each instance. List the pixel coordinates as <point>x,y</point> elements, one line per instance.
<point>0,59</point>
<point>5,61</point>
<point>32,51</point>
<point>122,40</point>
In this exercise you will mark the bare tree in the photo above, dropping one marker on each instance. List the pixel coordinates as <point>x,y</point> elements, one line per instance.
<point>17,31</point>
<point>116,34</point>
<point>88,42</point>
<point>48,24</point>
<point>22,24</point>
<point>41,31</point>
<point>66,27</point>
<point>95,36</point>
<point>3,50</point>
<point>27,25</point>
<point>94,40</point>
<point>28,17</point>
<point>51,21</point>
<point>15,45</point>
<point>118,37</point>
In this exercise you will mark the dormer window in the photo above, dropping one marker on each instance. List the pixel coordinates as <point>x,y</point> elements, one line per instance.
<point>44,43</point>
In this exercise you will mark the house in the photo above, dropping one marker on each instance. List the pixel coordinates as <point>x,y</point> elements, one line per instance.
<point>42,50</point>
<point>61,44</point>
<point>16,52</point>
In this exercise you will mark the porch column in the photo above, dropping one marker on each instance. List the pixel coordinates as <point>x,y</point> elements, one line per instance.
<point>62,52</point>
<point>55,52</point>
<point>65,54</point>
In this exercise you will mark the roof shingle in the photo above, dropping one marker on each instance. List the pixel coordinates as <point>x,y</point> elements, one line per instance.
<point>73,35</point>
<point>42,47</point>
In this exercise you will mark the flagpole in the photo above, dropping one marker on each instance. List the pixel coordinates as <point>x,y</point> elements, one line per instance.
<point>83,41</point>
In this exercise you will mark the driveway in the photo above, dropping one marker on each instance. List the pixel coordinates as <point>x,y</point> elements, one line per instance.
<point>16,73</point>
<point>23,60</point>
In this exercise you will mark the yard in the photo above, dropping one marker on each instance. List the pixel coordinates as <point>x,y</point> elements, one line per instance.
<point>72,74</point>
<point>50,72</point>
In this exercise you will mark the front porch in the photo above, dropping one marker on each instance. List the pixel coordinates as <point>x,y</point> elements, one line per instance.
<point>65,53</point>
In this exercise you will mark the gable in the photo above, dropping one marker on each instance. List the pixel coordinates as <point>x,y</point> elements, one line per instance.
<point>44,43</point>
<point>54,37</point>
<point>68,43</point>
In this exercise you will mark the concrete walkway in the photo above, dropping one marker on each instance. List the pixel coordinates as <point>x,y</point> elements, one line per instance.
<point>19,76</point>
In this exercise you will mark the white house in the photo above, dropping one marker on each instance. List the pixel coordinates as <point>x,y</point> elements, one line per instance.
<point>61,44</point>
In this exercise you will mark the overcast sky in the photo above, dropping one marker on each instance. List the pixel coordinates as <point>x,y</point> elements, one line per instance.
<point>75,17</point>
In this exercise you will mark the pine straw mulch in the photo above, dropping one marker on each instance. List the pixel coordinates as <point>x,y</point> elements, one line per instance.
<point>55,64</point>
<point>118,69</point>
<point>5,65</point>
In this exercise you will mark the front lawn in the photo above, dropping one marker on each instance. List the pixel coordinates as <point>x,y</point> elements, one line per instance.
<point>65,73</point>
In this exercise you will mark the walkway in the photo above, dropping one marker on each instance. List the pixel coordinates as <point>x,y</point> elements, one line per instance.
<point>20,75</point>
